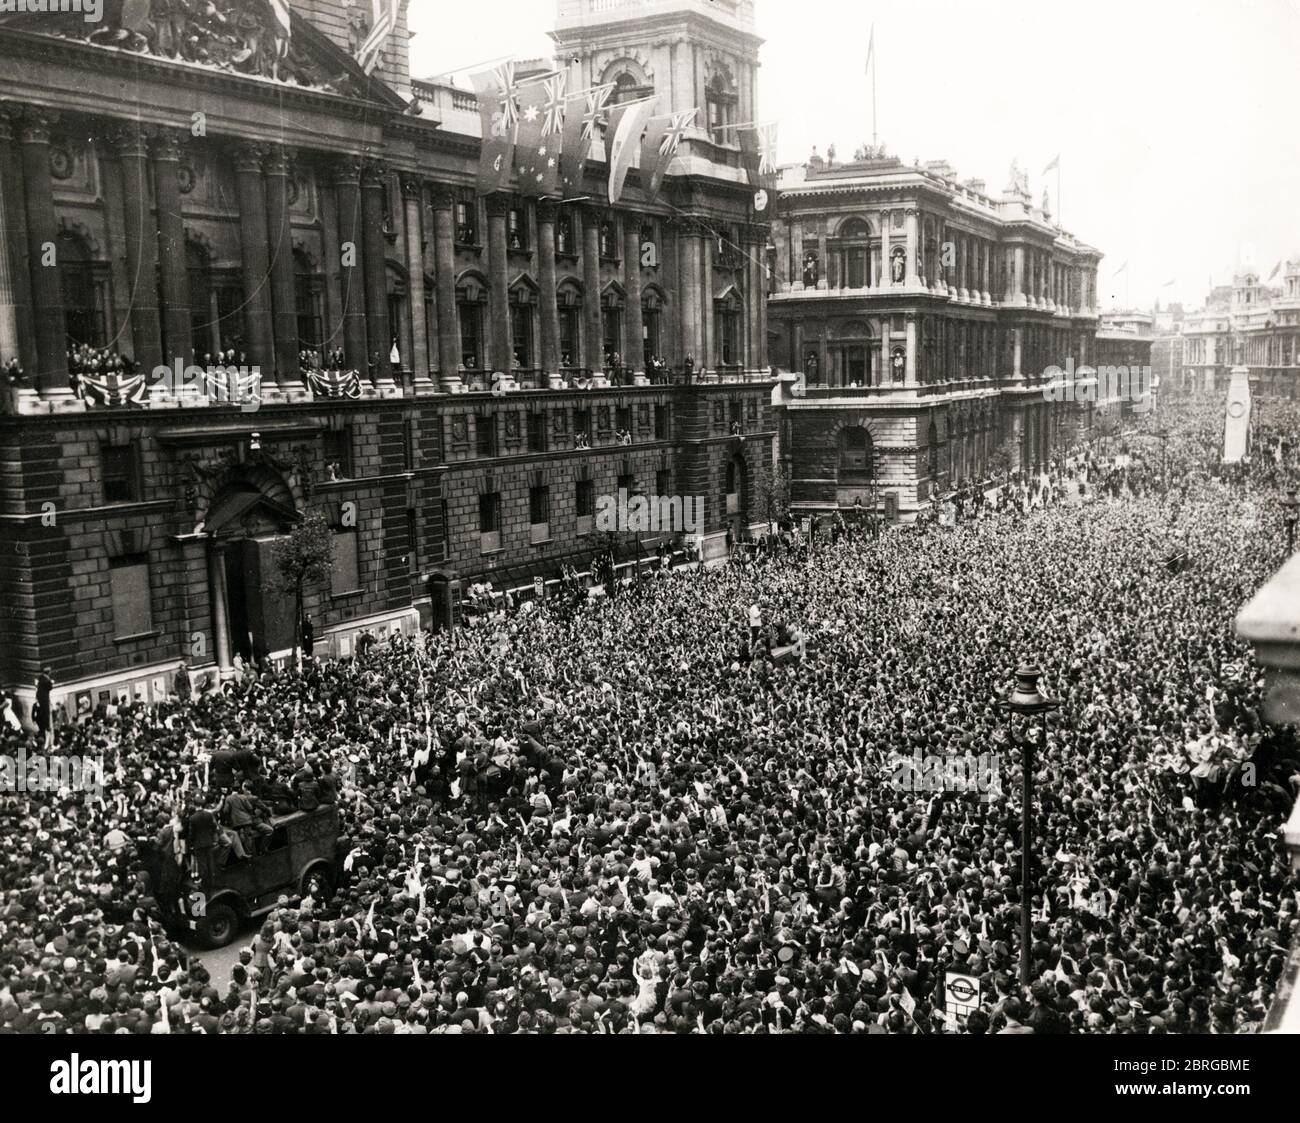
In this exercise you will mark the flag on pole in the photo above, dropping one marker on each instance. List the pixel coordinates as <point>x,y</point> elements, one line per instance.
<point>662,138</point>
<point>495,90</point>
<point>1275,270</point>
<point>1056,163</point>
<point>383,22</point>
<point>537,149</point>
<point>871,48</point>
<point>758,154</point>
<point>1121,269</point>
<point>626,135</point>
<point>578,133</point>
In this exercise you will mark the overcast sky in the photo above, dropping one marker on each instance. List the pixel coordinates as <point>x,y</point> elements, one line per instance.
<point>1175,120</point>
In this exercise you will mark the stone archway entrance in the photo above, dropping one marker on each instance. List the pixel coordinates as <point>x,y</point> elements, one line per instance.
<point>250,617</point>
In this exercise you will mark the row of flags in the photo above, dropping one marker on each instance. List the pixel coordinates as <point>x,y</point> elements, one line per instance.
<point>544,131</point>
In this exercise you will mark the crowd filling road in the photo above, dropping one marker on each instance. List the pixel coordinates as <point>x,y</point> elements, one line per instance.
<point>626,817</point>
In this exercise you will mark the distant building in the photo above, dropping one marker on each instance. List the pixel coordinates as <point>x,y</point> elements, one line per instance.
<point>921,317</point>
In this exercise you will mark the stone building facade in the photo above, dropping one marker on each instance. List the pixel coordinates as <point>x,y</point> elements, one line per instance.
<point>921,316</point>
<point>283,208</point>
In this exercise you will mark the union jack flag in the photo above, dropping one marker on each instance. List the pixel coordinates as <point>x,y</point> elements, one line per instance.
<point>505,76</point>
<point>334,383</point>
<point>676,129</point>
<point>112,389</point>
<point>579,130</point>
<point>553,111</point>
<point>661,142</point>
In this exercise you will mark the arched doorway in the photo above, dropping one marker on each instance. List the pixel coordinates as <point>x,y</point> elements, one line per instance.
<point>250,617</point>
<point>736,496</point>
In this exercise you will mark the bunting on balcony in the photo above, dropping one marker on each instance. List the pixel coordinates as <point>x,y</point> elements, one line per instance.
<point>662,138</point>
<point>111,389</point>
<point>232,384</point>
<point>334,383</point>
<point>496,92</point>
<point>579,131</point>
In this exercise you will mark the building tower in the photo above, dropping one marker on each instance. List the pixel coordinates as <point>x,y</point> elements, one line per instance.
<point>689,52</point>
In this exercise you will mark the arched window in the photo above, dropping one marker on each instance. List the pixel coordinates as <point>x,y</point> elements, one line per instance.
<point>651,320</point>
<point>720,103</point>
<point>522,301</point>
<point>398,314</point>
<point>854,261</point>
<point>568,298</point>
<point>471,301</point>
<point>85,291</point>
<point>611,320</point>
<point>625,88</point>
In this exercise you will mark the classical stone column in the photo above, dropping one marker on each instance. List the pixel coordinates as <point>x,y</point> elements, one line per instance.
<point>279,238</point>
<point>796,254</point>
<point>688,245</point>
<point>592,349</point>
<point>1017,295</point>
<point>706,304</point>
<point>500,344</point>
<point>823,265</point>
<point>1017,353</point>
<point>886,273</point>
<point>256,259</point>
<point>12,198</point>
<point>761,357</point>
<point>217,591</point>
<point>910,369</point>
<point>886,358</point>
<point>913,247</point>
<point>173,275</point>
<point>444,244</point>
<point>51,373</point>
<point>633,322</point>
<point>413,202</point>
<point>9,347</point>
<point>141,248</point>
<point>352,271</point>
<point>549,313</point>
<point>986,289</point>
<point>379,332</point>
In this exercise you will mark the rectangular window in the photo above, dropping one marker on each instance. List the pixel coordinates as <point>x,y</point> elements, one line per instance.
<point>345,577</point>
<point>663,482</point>
<point>517,230</point>
<point>489,522</point>
<point>661,422</point>
<point>409,444</point>
<point>537,432</point>
<point>338,452</point>
<point>570,349</point>
<point>582,423</point>
<point>307,305</point>
<point>627,483</point>
<point>564,236</point>
<point>623,418</point>
<point>521,335</point>
<point>129,584</point>
<point>467,221</point>
<point>734,407</point>
<point>539,514</point>
<point>471,334</point>
<point>121,481</point>
<point>585,502</point>
<point>485,434</point>
<point>412,541</point>
<point>612,325</point>
<point>728,334</point>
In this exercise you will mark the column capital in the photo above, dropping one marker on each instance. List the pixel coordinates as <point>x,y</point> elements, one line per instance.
<point>34,124</point>
<point>130,140</point>
<point>443,196</point>
<point>277,160</point>
<point>347,170</point>
<point>165,144</point>
<point>248,156</point>
<point>548,210</point>
<point>412,186</point>
<point>373,172</point>
<point>499,204</point>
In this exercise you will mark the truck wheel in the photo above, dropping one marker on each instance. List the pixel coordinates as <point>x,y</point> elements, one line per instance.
<point>219,926</point>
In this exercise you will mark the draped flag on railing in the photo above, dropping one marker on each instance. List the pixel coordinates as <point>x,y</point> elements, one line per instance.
<point>626,124</point>
<point>758,151</point>
<point>541,121</point>
<point>334,383</point>
<point>383,22</point>
<point>113,389</point>
<point>662,138</point>
<point>232,384</point>
<point>495,90</point>
<point>579,132</point>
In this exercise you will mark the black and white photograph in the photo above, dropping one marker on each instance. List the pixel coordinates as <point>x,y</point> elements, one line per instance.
<point>650,517</point>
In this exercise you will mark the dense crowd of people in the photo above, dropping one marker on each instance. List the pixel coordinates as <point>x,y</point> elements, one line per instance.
<point>627,817</point>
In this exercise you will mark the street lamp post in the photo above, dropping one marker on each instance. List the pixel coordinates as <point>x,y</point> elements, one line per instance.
<point>1290,517</point>
<point>1026,699</point>
<point>1162,435</point>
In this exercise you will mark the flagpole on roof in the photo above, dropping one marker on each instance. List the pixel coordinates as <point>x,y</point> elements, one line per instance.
<point>871,62</point>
